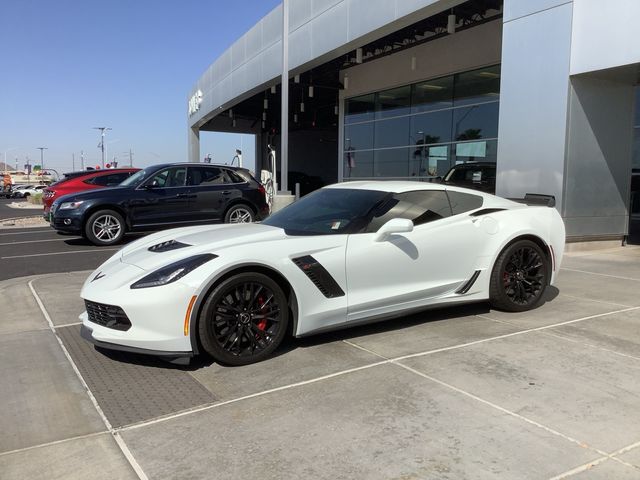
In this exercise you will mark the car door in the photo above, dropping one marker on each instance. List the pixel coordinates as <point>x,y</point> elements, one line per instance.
<point>407,270</point>
<point>210,189</point>
<point>162,199</point>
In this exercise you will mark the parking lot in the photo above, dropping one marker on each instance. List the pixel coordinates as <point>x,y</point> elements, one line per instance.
<point>465,392</point>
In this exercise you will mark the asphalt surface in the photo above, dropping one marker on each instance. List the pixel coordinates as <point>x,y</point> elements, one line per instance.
<point>6,212</point>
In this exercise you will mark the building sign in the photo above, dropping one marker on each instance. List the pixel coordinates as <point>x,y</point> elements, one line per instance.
<point>194,102</point>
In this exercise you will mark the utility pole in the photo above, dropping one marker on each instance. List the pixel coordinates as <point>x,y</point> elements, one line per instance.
<point>81,159</point>
<point>102,144</point>
<point>42,149</point>
<point>73,162</point>
<point>130,158</point>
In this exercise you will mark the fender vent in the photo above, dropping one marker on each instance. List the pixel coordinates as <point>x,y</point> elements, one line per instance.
<point>319,276</point>
<point>467,286</point>
<point>167,246</point>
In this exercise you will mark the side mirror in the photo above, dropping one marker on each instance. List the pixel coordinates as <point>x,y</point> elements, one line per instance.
<point>395,225</point>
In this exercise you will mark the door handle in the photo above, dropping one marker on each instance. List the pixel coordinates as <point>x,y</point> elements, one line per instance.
<point>226,192</point>
<point>182,195</point>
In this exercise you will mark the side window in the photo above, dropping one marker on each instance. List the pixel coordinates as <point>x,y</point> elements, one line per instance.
<point>464,202</point>
<point>421,206</point>
<point>234,177</point>
<point>110,180</point>
<point>169,177</point>
<point>206,176</point>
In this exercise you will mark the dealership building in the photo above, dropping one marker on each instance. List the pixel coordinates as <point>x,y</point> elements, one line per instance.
<point>405,89</point>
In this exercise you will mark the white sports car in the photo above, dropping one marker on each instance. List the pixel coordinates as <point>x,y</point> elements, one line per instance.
<point>347,254</point>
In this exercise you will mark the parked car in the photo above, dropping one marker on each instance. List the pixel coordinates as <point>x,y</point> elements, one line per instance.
<point>162,196</point>
<point>344,255</point>
<point>476,175</point>
<point>75,182</point>
<point>17,190</point>
<point>29,190</point>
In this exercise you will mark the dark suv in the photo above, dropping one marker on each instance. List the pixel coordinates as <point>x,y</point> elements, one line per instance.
<point>162,196</point>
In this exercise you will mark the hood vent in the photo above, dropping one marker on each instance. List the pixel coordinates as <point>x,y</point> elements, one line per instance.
<point>167,246</point>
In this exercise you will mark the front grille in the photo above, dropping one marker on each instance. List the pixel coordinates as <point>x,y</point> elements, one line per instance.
<point>108,316</point>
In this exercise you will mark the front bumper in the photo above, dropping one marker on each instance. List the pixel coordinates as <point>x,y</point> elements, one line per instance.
<point>65,221</point>
<point>179,358</point>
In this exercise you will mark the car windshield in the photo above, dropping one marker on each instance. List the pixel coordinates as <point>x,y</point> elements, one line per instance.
<point>135,179</point>
<point>327,212</point>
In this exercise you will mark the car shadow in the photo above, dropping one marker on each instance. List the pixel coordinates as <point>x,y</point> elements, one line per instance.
<point>383,325</point>
<point>83,242</point>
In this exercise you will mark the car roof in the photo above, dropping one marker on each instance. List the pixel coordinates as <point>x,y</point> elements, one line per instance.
<point>194,164</point>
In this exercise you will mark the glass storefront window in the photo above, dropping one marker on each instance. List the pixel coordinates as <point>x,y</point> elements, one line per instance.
<point>434,94</point>
<point>394,102</point>
<point>392,132</point>
<point>359,136</point>
<point>360,109</point>
<point>358,164</point>
<point>432,127</point>
<point>421,130</point>
<point>477,86</point>
<point>476,121</point>
<point>392,162</point>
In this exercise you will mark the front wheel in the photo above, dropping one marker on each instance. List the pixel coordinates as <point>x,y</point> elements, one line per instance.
<point>239,214</point>
<point>244,319</point>
<point>519,277</point>
<point>104,227</point>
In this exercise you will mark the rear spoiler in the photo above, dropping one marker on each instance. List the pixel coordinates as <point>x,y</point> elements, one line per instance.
<point>536,199</point>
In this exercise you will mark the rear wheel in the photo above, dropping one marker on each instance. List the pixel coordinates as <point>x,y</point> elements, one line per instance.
<point>244,319</point>
<point>239,214</point>
<point>104,227</point>
<point>519,277</point>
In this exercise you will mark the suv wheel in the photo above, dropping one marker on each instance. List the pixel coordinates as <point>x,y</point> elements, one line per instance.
<point>239,214</point>
<point>104,227</point>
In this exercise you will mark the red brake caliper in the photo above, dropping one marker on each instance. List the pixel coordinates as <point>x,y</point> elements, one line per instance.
<point>262,324</point>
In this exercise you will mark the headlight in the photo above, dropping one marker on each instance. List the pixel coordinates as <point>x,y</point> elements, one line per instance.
<point>173,272</point>
<point>70,205</point>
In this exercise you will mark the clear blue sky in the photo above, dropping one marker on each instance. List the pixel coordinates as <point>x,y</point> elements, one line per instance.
<point>69,65</point>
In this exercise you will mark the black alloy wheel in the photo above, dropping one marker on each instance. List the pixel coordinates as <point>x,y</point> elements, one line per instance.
<point>244,319</point>
<point>519,278</point>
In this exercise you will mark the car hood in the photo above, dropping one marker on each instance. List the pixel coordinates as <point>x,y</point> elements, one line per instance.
<point>205,239</point>
<point>93,194</point>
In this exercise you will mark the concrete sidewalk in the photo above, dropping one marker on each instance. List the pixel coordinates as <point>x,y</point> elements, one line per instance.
<point>465,392</point>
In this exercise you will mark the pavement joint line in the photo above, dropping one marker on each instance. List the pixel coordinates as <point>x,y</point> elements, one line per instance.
<point>67,325</point>
<point>610,456</point>
<point>502,409</point>
<point>247,397</point>
<point>26,233</point>
<point>33,241</point>
<point>600,274</point>
<point>119,441</point>
<point>359,347</point>
<point>343,372</point>
<point>597,301</point>
<point>591,345</point>
<point>61,253</point>
<point>55,442</point>
<point>513,334</point>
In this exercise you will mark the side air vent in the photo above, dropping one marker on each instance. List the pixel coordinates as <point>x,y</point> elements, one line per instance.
<point>467,286</point>
<point>486,211</point>
<point>167,246</point>
<point>319,276</point>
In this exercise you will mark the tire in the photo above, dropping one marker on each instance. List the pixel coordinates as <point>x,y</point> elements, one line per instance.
<point>519,277</point>
<point>239,213</point>
<point>234,327</point>
<point>104,227</point>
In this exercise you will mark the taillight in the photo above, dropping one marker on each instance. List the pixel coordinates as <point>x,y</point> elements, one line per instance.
<point>262,190</point>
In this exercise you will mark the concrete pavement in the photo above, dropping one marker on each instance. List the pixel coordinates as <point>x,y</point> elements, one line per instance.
<point>465,392</point>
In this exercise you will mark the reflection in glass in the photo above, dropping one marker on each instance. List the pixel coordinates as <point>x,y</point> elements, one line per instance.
<point>636,148</point>
<point>359,109</point>
<point>432,95</point>
<point>394,102</point>
<point>392,132</point>
<point>480,151</point>
<point>391,163</point>
<point>429,161</point>
<point>359,136</point>
<point>477,86</point>
<point>434,127</point>
<point>358,164</point>
<point>476,121</point>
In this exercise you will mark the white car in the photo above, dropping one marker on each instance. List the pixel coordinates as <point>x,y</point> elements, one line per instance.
<point>347,254</point>
<point>29,190</point>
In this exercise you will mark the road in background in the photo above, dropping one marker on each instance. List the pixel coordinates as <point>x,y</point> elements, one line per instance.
<point>6,212</point>
<point>32,251</point>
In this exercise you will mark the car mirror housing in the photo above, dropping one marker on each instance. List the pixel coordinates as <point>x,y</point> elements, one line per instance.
<point>395,225</point>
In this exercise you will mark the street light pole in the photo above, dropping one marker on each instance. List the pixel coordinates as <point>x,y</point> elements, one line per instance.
<point>102,145</point>
<point>42,149</point>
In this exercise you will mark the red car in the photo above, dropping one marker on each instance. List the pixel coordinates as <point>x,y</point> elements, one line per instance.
<point>86,180</point>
